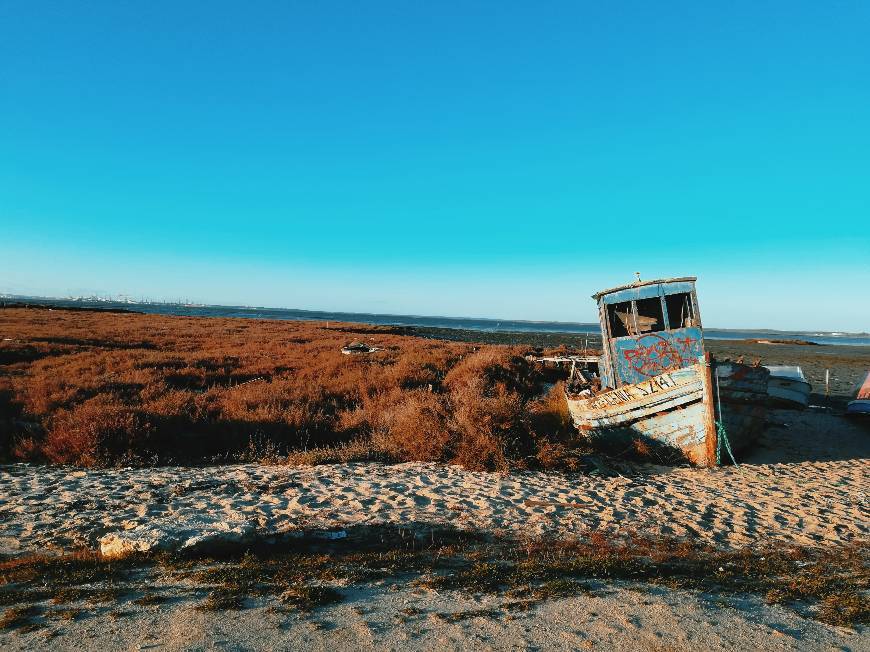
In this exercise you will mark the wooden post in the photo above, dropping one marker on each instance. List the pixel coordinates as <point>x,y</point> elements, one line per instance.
<point>711,436</point>
<point>827,381</point>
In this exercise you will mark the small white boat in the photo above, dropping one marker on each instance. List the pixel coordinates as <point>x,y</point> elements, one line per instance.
<point>861,404</point>
<point>788,386</point>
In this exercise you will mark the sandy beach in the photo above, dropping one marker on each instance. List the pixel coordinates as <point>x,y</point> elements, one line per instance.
<point>804,484</point>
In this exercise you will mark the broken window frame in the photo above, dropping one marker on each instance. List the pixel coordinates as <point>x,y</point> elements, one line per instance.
<point>614,321</point>
<point>661,323</point>
<point>689,301</point>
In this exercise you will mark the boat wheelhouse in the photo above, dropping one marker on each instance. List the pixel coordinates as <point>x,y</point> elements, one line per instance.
<point>648,328</point>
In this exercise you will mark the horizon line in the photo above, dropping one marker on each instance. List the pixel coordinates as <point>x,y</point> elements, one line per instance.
<point>96,299</point>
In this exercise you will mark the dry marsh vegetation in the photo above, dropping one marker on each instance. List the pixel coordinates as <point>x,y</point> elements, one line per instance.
<point>304,575</point>
<point>97,389</point>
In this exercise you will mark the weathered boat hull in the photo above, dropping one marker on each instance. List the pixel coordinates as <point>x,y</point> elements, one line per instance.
<point>680,410</point>
<point>789,393</point>
<point>858,407</point>
<point>740,395</point>
<point>788,387</point>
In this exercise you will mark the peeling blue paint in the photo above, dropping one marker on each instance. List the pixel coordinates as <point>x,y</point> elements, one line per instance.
<point>648,291</point>
<point>637,358</point>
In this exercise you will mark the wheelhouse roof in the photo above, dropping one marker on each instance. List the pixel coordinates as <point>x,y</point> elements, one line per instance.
<point>640,284</point>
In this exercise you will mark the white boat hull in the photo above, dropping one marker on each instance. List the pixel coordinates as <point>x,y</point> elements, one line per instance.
<point>789,392</point>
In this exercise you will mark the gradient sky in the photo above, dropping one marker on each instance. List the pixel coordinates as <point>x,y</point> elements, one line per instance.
<point>496,159</point>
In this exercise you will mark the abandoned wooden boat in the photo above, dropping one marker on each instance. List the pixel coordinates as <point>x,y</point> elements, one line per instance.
<point>861,404</point>
<point>787,386</point>
<point>656,384</point>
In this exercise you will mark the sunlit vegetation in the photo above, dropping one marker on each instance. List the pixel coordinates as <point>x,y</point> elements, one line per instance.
<point>97,389</point>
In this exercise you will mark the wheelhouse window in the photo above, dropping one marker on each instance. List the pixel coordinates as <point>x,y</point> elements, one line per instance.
<point>632,318</point>
<point>681,313</point>
<point>621,318</point>
<point>650,317</point>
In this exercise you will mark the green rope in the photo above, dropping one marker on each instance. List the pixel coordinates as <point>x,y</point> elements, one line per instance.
<point>723,436</point>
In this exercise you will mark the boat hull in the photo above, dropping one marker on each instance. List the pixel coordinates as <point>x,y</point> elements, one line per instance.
<point>680,410</point>
<point>861,404</point>
<point>788,387</point>
<point>740,393</point>
<point>789,393</point>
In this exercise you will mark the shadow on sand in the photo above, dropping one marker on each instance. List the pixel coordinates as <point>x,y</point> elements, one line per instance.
<point>812,435</point>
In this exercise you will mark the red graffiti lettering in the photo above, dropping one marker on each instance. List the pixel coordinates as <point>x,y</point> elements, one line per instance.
<point>653,355</point>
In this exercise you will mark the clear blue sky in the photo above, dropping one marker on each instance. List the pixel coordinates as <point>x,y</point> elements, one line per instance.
<point>496,159</point>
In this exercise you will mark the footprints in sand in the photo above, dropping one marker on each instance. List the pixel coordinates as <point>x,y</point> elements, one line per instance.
<point>799,503</point>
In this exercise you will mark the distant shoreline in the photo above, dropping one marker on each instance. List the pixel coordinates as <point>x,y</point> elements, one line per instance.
<point>478,324</point>
<point>52,306</point>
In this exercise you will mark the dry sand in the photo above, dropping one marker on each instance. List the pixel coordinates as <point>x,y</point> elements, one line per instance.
<point>805,483</point>
<point>383,618</point>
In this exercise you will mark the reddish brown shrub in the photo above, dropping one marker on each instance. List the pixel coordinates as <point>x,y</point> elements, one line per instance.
<point>550,414</point>
<point>92,389</point>
<point>98,432</point>
<point>413,426</point>
<point>489,391</point>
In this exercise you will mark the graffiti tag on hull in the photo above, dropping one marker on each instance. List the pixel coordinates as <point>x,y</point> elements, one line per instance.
<point>640,390</point>
<point>654,354</point>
